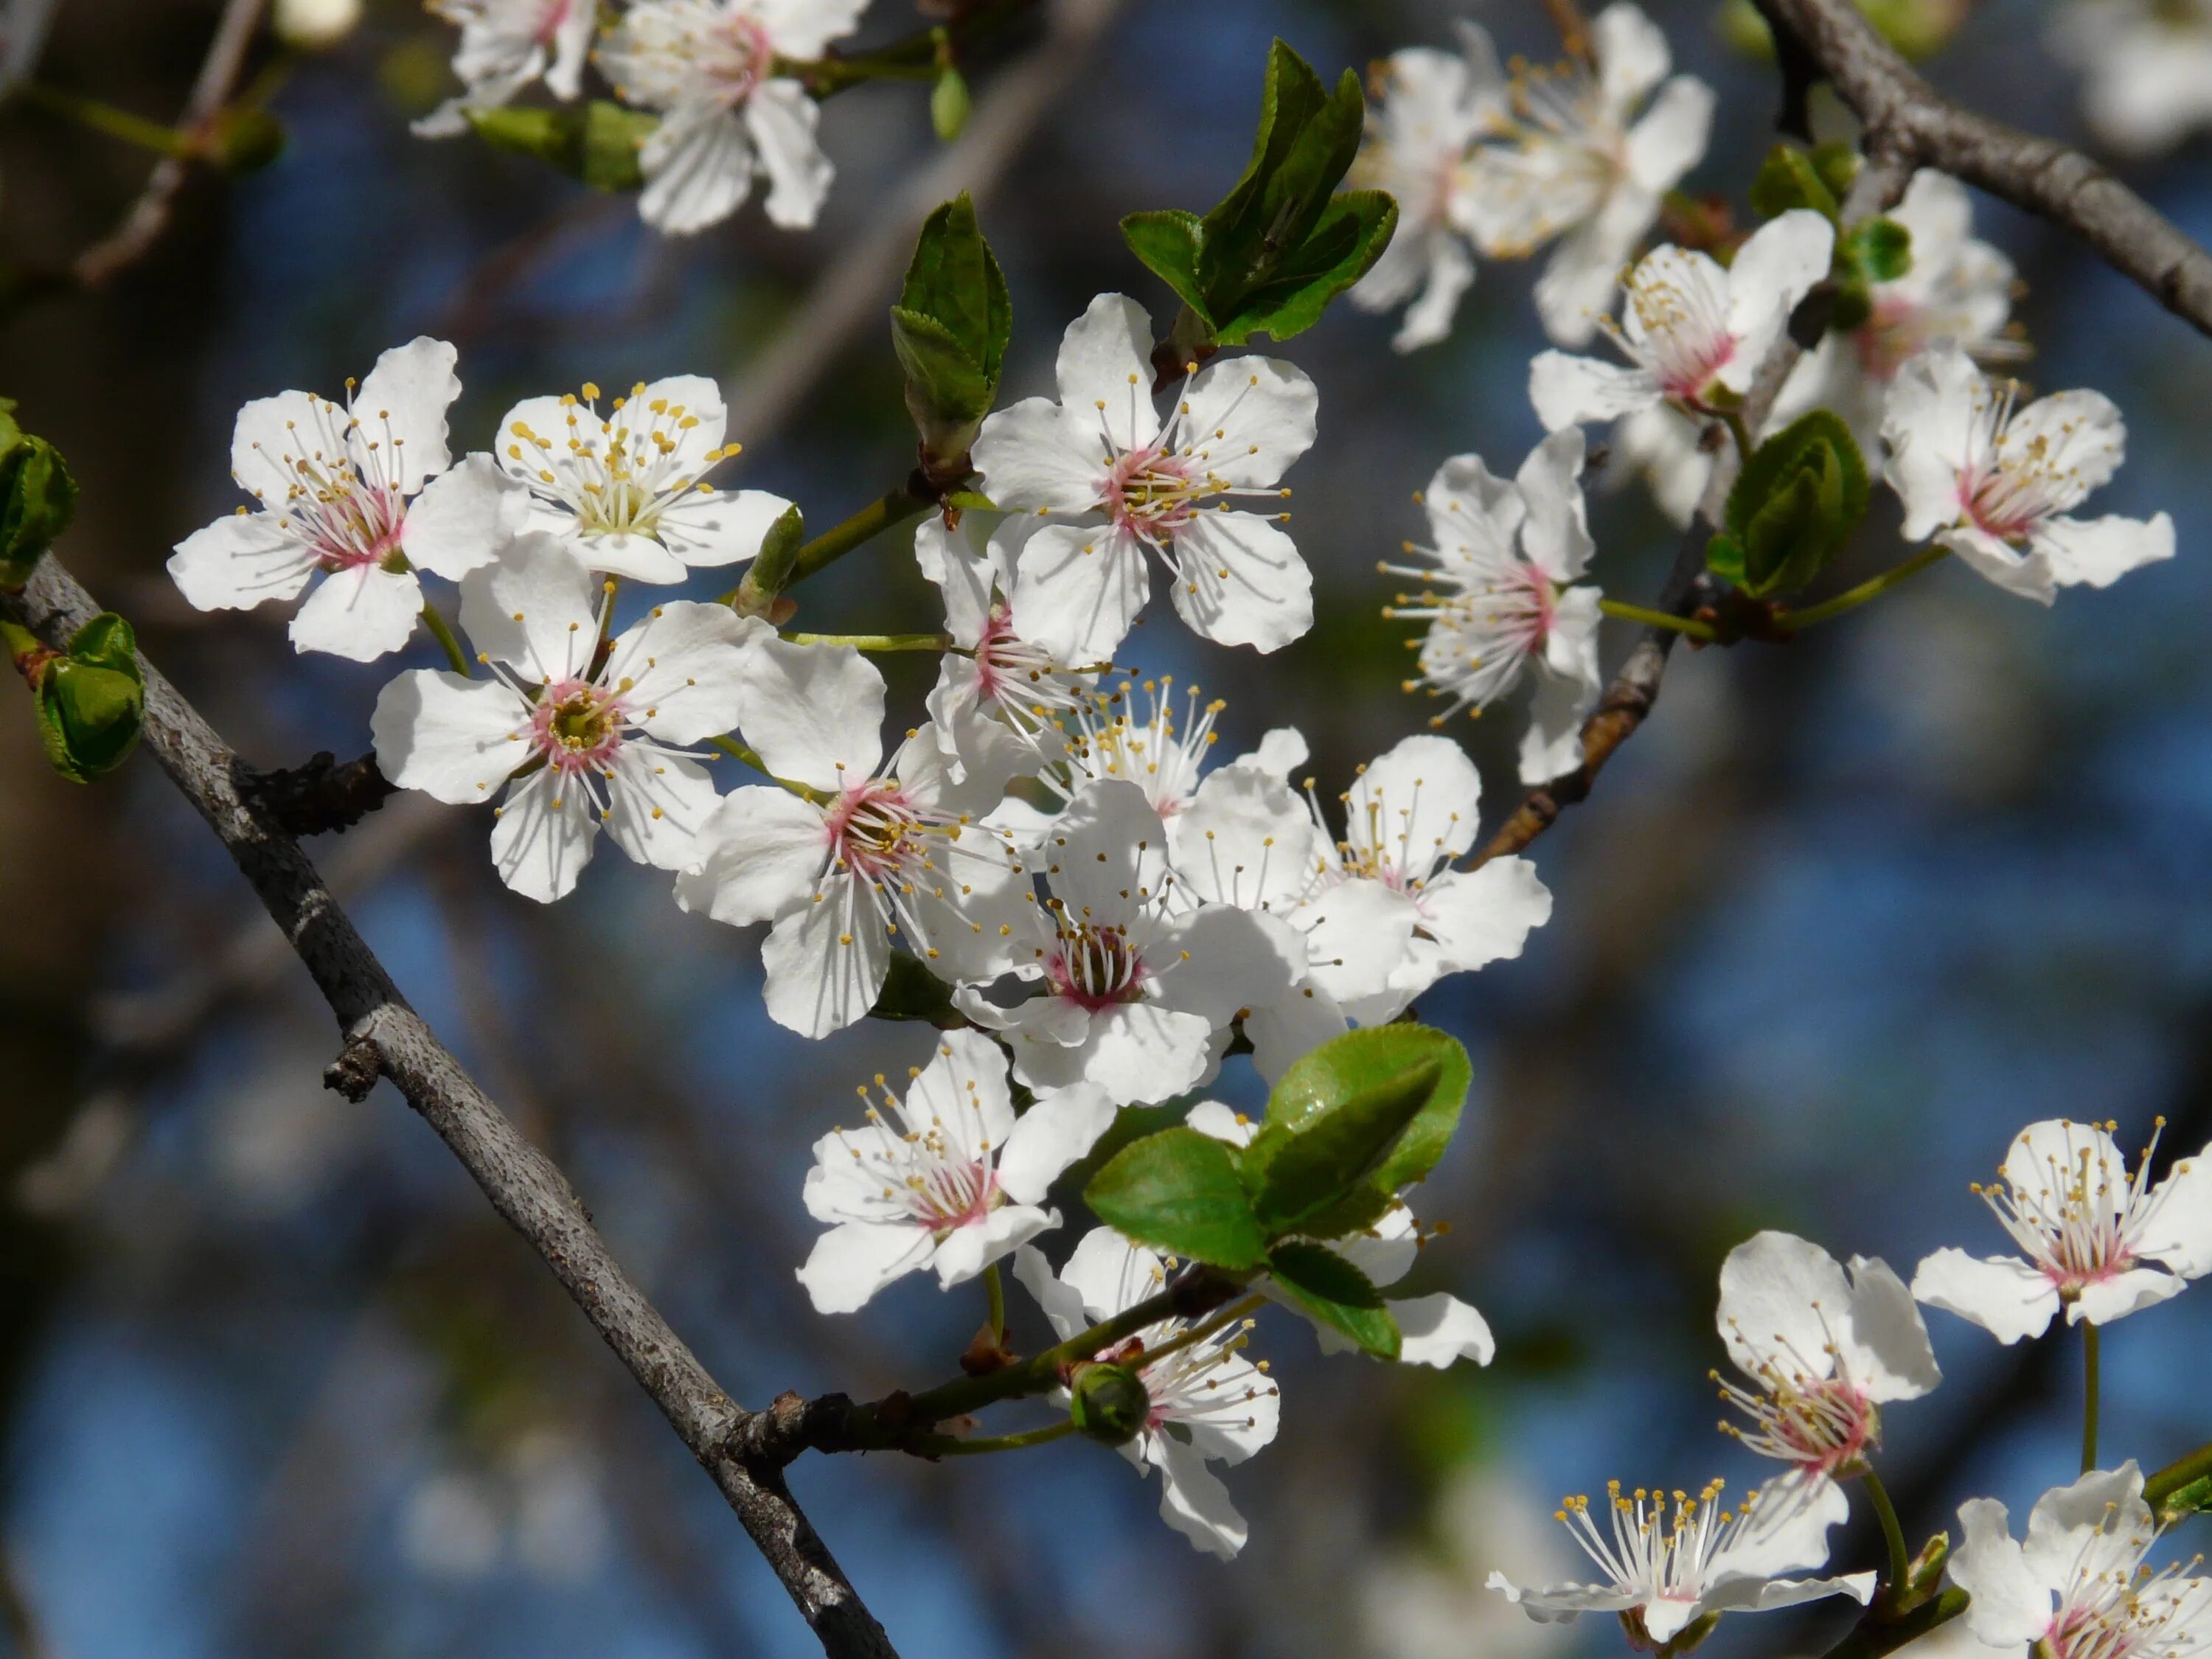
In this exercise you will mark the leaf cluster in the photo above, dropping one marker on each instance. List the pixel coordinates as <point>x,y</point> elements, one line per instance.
<point>949,330</point>
<point>1795,504</point>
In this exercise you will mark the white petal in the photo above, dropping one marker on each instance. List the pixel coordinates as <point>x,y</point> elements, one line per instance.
<point>1246,840</point>
<point>962,1094</point>
<point>1105,856</point>
<point>1560,1603</point>
<point>766,852</point>
<point>1439,1330</point>
<point>2051,1156</point>
<point>1630,52</point>
<point>1581,278</point>
<point>1417,806</point>
<point>2095,1527</point>
<point>1036,455</point>
<point>1779,1296</point>
<point>712,528</point>
<point>964,576</point>
<point>238,562</point>
<point>1239,581</point>
<point>2004,1296</point>
<point>1137,1051</point>
<point>1105,371</point>
<point>1247,419</point>
<point>1194,1501</point>
<point>2098,552</point>
<point>1788,1531</point>
<point>273,436</point>
<point>2009,1603</point>
<point>1219,1123</point>
<point>698,167</point>
<point>1553,746</point>
<point>660,805</point>
<point>536,610</point>
<point>801,29</point>
<point>1484,916</point>
<point>1062,1304</point>
<point>1892,1358</point>
<point>1357,935</point>
<point>1772,271</point>
<point>968,1249</point>
<point>1077,590</point>
<point>2075,438</point>
<point>359,614</point>
<point>452,739</point>
<point>1112,1274</point>
<point>2179,1232</point>
<point>1059,1129</point>
<point>686,663</point>
<point>2028,575</point>
<point>2124,1293</point>
<point>1568,389</point>
<point>1555,535</point>
<point>1928,422</point>
<point>1671,138</point>
<point>782,117</point>
<point>1222,960</point>
<point>849,1264</point>
<point>400,414</point>
<point>1765,1595</point>
<point>814,712</point>
<point>1449,273</point>
<point>543,839</point>
<point>826,960</point>
<point>464,520</point>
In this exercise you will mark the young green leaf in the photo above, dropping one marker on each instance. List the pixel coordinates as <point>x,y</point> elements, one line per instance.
<point>1880,250</point>
<point>1359,1061</point>
<point>38,499</point>
<point>950,329</point>
<point>1789,179</point>
<point>91,702</point>
<point>1300,1169</point>
<point>1321,1283</point>
<point>1180,1191</point>
<point>1798,498</point>
<point>596,142</point>
<point>1349,237</point>
<point>1167,241</point>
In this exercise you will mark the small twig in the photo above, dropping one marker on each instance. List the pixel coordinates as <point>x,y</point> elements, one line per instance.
<point>320,795</point>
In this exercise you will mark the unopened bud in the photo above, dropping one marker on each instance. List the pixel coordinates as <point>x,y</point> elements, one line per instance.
<point>91,700</point>
<point>38,498</point>
<point>949,104</point>
<point>1108,1403</point>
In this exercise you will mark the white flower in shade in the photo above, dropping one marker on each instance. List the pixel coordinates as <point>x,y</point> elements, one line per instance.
<point>946,1178</point>
<point>338,488</point>
<point>507,45</point>
<point>1209,1403</point>
<point>1437,1330</point>
<point>2096,1242</point>
<point>867,856</point>
<point>1134,999</point>
<point>1996,482</point>
<point>622,491</point>
<point>1148,489</point>
<point>1423,1597</point>
<point>313,25</point>
<point>2079,1587</point>
<point>2147,68</point>
<point>1823,1351</point>
<point>1670,1558</point>
<point>579,742</point>
<point>1694,333</point>
<point>1581,165</point>
<point>709,66</point>
<point>1669,451</point>
<point>1002,702</point>
<point>1502,598</point>
<point>1431,105</point>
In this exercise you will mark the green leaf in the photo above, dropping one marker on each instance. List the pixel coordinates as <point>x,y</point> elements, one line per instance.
<point>1789,179</point>
<point>38,499</point>
<point>1323,1284</point>
<point>1880,250</point>
<point>943,384</point>
<point>1363,1060</point>
<point>950,329</point>
<point>1180,1191</point>
<point>1798,498</point>
<point>1352,232</point>
<point>597,142</point>
<point>1299,1169</point>
<point>1167,242</point>
<point>1837,164</point>
<point>91,702</point>
<point>1724,558</point>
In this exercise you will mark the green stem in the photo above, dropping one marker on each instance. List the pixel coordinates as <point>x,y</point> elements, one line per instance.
<point>444,635</point>
<point>1872,588</point>
<point>995,1290</point>
<point>886,513</point>
<point>946,1445</point>
<point>2182,1472</point>
<point>739,750</point>
<point>1637,613</point>
<point>2089,1379</point>
<point>1893,1534</point>
<point>876,641</point>
<point>115,122</point>
<point>1199,1332</point>
<point>1739,431</point>
<point>921,56</point>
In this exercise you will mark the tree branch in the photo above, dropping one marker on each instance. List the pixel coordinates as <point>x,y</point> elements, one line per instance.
<point>384,1035</point>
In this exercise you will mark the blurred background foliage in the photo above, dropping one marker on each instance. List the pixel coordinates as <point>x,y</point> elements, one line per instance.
<point>276,1382</point>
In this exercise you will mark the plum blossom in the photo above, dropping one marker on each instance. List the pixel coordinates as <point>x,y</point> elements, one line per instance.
<point>358,496</point>
<point>709,67</point>
<point>1135,999</point>
<point>1693,333</point>
<point>1823,1351</point>
<point>1672,452</point>
<point>507,45</point>
<point>2096,1242</point>
<point>1435,1330</point>
<point>946,1178</point>
<point>1581,164</point>
<point>2079,1587</point>
<point>1209,1403</point>
<point>622,491</point>
<point>1503,600</point>
<point>579,743</point>
<point>1431,106</point>
<point>1996,483</point>
<point>1667,1559</point>
<point>1147,489</point>
<point>2147,69</point>
<point>844,855</point>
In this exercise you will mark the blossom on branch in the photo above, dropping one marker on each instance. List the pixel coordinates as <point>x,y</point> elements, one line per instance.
<point>507,45</point>
<point>954,1184</point>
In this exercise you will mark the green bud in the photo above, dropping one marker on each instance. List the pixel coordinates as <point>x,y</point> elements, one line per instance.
<point>1108,1403</point>
<point>246,138</point>
<point>91,700</point>
<point>1797,500</point>
<point>1837,164</point>
<point>1787,180</point>
<point>949,104</point>
<point>1849,306</point>
<point>38,498</point>
<point>1880,250</point>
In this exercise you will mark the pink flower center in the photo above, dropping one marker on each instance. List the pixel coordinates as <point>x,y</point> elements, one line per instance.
<point>874,830</point>
<point>952,1196</point>
<point>1890,339</point>
<point>1149,491</point>
<point>352,528</point>
<point>1096,967</point>
<point>735,58</point>
<point>548,23</point>
<point>577,724</point>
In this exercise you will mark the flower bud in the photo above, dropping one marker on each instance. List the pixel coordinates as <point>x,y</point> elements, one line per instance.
<point>91,700</point>
<point>948,104</point>
<point>38,498</point>
<point>1110,1403</point>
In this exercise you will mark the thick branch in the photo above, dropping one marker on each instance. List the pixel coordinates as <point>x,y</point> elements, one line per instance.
<point>383,1034</point>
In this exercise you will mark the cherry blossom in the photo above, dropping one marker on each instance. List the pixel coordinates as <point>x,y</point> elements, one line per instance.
<point>339,508</point>
<point>844,855</point>
<point>1581,164</point>
<point>947,1177</point>
<point>507,45</point>
<point>1996,481</point>
<point>1503,599</point>
<point>580,742</point>
<point>710,67</point>
<point>2094,1242</point>
<point>1147,490</point>
<point>1209,1403</point>
<point>2147,69</point>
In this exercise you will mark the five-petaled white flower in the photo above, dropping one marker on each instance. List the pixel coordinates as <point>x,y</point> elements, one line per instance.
<point>1670,1558</point>
<point>2079,1587</point>
<point>580,741</point>
<point>506,44</point>
<point>622,491</point>
<point>1693,333</point>
<point>709,66</point>
<point>955,1185</point>
<point>1208,1403</point>
<point>334,487</point>
<point>1994,483</point>
<point>1431,105</point>
<point>1823,1351</point>
<point>2096,1244</point>
<point>1135,999</point>
<point>1580,165</point>
<point>848,855</point>
<point>1149,488</point>
<point>1503,600</point>
<point>2147,69</point>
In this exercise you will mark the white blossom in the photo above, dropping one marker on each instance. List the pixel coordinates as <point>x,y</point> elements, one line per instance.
<point>2079,1587</point>
<point>1693,333</point>
<point>1670,451</point>
<point>864,856</point>
<point>2091,1240</point>
<point>338,489</point>
<point>1431,106</point>
<point>1144,490</point>
<point>947,1177</point>
<point>579,747</point>
<point>1209,1404</point>
<point>709,67</point>
<point>1824,1351</point>
<point>1502,598</point>
<point>507,45</point>
<point>2147,69</point>
<point>1996,483</point>
<point>1581,165</point>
